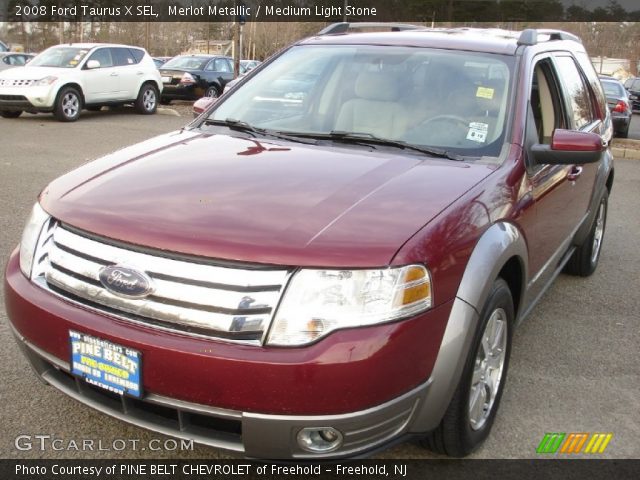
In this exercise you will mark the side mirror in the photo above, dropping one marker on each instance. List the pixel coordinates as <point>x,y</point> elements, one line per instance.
<point>569,147</point>
<point>92,64</point>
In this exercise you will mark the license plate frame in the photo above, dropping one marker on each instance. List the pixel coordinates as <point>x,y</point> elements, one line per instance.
<point>107,365</point>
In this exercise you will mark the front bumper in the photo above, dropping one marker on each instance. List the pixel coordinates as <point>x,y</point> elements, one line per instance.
<point>251,400</point>
<point>29,99</point>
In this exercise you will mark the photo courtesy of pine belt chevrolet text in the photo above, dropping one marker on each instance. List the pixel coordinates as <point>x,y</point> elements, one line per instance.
<point>334,255</point>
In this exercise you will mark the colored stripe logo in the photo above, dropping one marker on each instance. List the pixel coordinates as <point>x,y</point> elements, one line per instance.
<point>569,443</point>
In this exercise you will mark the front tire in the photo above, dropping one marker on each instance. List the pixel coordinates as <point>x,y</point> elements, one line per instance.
<point>11,114</point>
<point>472,411</point>
<point>68,105</point>
<point>584,260</point>
<point>147,101</point>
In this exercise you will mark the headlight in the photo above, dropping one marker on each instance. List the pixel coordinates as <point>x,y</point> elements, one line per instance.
<point>30,237</point>
<point>46,81</point>
<point>318,302</point>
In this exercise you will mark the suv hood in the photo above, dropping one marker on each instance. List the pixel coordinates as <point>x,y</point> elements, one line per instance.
<point>35,73</point>
<point>260,201</point>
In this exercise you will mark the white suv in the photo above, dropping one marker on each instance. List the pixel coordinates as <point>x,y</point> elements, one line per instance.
<point>66,78</point>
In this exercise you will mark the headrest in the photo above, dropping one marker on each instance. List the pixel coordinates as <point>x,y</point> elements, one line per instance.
<point>377,86</point>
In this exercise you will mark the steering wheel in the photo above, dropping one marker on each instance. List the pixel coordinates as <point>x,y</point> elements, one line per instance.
<point>449,118</point>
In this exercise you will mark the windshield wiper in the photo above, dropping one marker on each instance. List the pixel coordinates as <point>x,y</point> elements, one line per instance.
<point>371,140</point>
<point>234,124</point>
<point>243,126</point>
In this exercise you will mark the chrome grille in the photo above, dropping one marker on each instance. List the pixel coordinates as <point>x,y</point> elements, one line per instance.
<point>189,296</point>
<point>8,82</point>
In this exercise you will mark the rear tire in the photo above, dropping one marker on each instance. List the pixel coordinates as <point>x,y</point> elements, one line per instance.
<point>11,114</point>
<point>472,411</point>
<point>68,105</point>
<point>147,101</point>
<point>584,260</point>
<point>212,92</point>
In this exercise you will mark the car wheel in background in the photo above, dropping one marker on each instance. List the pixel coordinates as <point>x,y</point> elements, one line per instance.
<point>147,101</point>
<point>68,105</point>
<point>472,411</point>
<point>212,92</point>
<point>584,260</point>
<point>11,114</point>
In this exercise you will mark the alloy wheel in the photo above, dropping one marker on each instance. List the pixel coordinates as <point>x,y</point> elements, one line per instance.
<point>488,369</point>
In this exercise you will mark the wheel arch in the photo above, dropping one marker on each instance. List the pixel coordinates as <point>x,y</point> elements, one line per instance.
<point>75,85</point>
<point>500,252</point>
<point>152,81</point>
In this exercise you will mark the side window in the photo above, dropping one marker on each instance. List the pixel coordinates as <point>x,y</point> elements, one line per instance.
<point>594,83</point>
<point>211,66</point>
<point>577,92</point>
<point>103,56</point>
<point>138,55</point>
<point>545,101</point>
<point>222,65</point>
<point>122,57</point>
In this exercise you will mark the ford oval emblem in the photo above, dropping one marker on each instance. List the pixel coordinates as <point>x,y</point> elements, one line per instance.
<point>125,281</point>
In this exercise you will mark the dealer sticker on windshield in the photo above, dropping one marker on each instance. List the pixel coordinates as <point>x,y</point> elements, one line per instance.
<point>105,364</point>
<point>477,132</point>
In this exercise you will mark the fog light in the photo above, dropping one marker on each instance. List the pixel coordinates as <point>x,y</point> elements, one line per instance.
<point>319,439</point>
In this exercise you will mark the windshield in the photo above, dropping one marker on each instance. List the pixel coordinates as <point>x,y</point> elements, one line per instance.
<point>450,100</point>
<point>62,57</point>
<point>185,63</point>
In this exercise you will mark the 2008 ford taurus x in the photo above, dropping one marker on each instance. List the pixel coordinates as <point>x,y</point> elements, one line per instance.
<point>334,255</point>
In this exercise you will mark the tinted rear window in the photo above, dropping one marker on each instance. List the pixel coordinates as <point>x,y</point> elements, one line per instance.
<point>137,54</point>
<point>186,63</point>
<point>613,89</point>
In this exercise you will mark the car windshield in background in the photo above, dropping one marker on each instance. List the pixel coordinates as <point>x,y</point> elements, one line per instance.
<point>421,97</point>
<point>62,57</point>
<point>185,63</point>
<point>612,89</point>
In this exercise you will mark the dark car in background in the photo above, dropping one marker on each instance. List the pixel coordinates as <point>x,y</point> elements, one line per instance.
<point>14,59</point>
<point>247,65</point>
<point>633,87</point>
<point>189,77</point>
<point>619,104</point>
<point>160,61</point>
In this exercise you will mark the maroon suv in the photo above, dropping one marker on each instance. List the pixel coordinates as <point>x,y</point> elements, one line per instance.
<point>335,255</point>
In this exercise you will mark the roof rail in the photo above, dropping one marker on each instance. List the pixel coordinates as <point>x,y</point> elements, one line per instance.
<point>530,36</point>
<point>344,27</point>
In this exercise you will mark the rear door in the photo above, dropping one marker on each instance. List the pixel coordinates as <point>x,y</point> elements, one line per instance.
<point>220,71</point>
<point>129,72</point>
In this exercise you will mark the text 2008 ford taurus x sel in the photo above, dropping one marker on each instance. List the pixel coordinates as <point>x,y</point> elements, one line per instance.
<point>334,255</point>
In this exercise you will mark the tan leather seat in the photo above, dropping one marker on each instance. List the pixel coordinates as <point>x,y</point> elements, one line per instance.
<point>374,110</point>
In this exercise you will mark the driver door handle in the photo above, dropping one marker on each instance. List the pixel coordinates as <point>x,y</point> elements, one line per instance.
<point>575,172</point>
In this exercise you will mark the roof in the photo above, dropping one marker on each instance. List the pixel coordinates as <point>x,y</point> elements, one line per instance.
<point>472,39</point>
<point>94,45</point>
<point>487,40</point>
